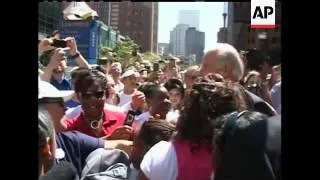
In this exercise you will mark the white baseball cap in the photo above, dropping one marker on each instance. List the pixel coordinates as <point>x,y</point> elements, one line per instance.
<point>130,72</point>
<point>46,90</point>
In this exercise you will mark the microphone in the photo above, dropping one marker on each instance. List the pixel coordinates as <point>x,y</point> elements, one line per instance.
<point>62,171</point>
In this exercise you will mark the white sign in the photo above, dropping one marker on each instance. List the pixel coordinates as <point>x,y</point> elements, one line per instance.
<point>263,14</point>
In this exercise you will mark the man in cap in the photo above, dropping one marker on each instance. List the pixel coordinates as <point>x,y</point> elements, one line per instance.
<point>130,97</point>
<point>73,146</point>
<point>224,59</point>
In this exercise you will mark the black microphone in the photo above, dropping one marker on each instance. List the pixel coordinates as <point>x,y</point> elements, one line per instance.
<point>62,171</point>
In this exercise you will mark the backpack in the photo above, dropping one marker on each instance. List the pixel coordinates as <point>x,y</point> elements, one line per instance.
<point>240,147</point>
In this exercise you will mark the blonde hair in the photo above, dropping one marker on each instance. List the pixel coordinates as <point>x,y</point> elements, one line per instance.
<point>228,55</point>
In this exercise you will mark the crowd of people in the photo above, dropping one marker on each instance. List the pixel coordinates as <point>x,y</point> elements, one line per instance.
<point>220,120</point>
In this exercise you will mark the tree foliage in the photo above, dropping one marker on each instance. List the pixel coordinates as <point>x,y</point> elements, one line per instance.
<point>124,49</point>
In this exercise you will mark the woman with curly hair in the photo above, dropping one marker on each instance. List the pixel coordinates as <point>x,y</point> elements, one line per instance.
<point>189,154</point>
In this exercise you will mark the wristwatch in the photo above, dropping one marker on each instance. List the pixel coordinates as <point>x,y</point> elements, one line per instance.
<point>76,55</point>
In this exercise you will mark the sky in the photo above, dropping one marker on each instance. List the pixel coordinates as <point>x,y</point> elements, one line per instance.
<point>210,19</point>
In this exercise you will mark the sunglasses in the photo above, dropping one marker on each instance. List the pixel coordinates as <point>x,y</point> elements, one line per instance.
<point>97,94</point>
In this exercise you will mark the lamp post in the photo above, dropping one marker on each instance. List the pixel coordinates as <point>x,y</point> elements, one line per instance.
<point>224,15</point>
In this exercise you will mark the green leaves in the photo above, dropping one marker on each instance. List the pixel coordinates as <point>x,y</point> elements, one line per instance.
<point>124,49</point>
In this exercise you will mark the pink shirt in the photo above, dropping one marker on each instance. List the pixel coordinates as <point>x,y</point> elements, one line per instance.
<point>193,165</point>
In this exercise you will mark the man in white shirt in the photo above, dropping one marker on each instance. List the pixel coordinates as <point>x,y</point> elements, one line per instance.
<point>115,72</point>
<point>129,79</point>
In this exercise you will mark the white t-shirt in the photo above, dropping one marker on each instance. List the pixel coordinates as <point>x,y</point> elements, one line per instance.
<point>118,87</point>
<point>173,116</point>
<point>160,162</point>
<point>142,117</point>
<point>73,112</point>
<point>124,98</point>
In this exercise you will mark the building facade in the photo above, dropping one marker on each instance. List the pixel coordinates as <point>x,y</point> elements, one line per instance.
<point>177,40</point>
<point>194,43</point>
<point>221,35</point>
<point>189,17</point>
<point>139,21</point>
<point>50,17</point>
<point>242,36</point>
<point>163,48</point>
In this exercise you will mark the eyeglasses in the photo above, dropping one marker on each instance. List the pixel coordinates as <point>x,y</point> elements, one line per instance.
<point>97,94</point>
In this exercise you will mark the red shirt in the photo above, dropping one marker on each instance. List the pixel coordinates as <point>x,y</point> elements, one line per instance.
<point>111,121</point>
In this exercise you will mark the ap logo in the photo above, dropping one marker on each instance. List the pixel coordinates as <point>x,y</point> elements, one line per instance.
<point>263,14</point>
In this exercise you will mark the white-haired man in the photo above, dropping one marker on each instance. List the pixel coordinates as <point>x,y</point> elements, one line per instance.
<point>73,146</point>
<point>115,72</point>
<point>225,60</point>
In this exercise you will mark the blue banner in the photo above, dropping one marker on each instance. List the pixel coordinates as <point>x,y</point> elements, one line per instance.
<point>80,30</point>
<point>92,59</point>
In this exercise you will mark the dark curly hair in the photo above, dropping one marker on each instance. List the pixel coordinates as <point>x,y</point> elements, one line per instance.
<point>207,100</point>
<point>85,79</point>
<point>154,131</point>
<point>174,83</point>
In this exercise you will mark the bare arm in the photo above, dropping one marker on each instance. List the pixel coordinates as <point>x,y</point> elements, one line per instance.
<point>57,56</point>
<point>124,145</point>
<point>79,59</point>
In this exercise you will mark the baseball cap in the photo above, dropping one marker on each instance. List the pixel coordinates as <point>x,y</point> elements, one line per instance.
<point>130,72</point>
<point>46,90</point>
<point>104,164</point>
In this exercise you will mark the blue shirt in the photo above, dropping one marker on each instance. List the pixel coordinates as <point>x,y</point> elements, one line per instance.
<point>276,96</point>
<point>77,146</point>
<point>64,85</point>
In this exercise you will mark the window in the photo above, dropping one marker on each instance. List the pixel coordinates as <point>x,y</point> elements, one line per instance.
<point>141,12</point>
<point>128,23</point>
<point>136,12</point>
<point>129,13</point>
<point>115,5</point>
<point>248,41</point>
<point>253,40</point>
<point>116,10</point>
<point>274,40</point>
<point>114,14</point>
<point>114,19</point>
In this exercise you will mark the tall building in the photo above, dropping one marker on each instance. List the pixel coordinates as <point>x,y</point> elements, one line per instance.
<point>114,15</point>
<point>194,43</point>
<point>163,48</point>
<point>221,35</point>
<point>190,17</point>
<point>242,36</point>
<point>177,40</point>
<point>50,16</point>
<point>139,21</point>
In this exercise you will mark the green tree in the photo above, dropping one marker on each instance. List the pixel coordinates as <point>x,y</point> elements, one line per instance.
<point>151,57</point>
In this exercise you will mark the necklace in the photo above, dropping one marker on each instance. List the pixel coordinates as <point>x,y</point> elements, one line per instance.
<point>95,124</point>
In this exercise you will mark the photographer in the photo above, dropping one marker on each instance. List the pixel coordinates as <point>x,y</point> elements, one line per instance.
<point>56,51</point>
